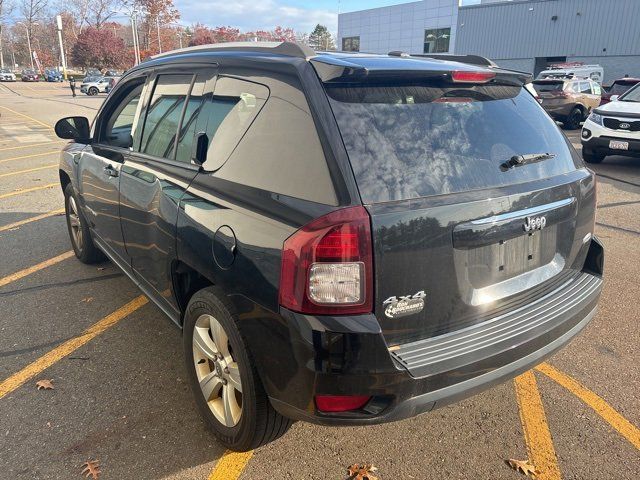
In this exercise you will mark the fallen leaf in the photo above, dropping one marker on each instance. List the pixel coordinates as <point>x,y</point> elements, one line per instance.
<point>87,299</point>
<point>100,269</point>
<point>523,466</point>
<point>44,384</point>
<point>91,467</point>
<point>362,472</point>
<point>14,229</point>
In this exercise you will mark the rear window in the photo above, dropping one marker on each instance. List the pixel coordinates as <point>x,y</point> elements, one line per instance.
<point>413,141</point>
<point>548,86</point>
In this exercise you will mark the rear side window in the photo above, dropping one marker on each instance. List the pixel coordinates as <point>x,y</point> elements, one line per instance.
<point>279,150</point>
<point>414,141</point>
<point>234,106</point>
<point>585,87</point>
<point>163,115</point>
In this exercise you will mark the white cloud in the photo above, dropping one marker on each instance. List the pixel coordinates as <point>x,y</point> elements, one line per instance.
<point>254,15</point>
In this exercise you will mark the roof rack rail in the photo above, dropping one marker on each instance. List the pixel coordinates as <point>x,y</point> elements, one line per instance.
<point>289,49</point>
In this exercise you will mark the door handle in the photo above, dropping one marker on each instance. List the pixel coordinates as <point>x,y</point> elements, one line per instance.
<point>110,171</point>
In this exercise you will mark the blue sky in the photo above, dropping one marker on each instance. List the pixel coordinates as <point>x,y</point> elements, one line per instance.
<point>265,14</point>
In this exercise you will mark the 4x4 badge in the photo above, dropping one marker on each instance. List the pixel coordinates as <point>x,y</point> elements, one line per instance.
<point>405,305</point>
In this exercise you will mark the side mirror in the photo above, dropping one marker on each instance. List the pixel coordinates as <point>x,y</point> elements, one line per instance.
<point>200,147</point>
<point>614,98</point>
<point>73,128</point>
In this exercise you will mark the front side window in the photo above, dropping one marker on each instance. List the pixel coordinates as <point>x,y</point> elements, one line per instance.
<point>117,126</point>
<point>351,44</point>
<point>436,40</point>
<point>163,115</point>
<point>414,141</point>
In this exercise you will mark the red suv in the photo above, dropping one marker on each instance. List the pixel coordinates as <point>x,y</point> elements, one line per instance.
<point>618,88</point>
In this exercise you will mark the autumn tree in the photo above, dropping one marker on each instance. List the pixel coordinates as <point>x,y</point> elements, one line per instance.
<point>321,39</point>
<point>156,14</point>
<point>99,48</point>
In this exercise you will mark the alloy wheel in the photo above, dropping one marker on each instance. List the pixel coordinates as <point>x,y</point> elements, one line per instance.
<point>74,223</point>
<point>217,370</point>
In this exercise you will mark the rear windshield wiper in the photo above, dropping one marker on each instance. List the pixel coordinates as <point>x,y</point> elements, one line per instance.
<point>519,160</point>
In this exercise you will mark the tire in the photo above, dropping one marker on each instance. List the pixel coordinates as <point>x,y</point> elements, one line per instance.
<point>78,228</point>
<point>92,91</point>
<point>573,120</point>
<point>592,157</point>
<point>257,423</point>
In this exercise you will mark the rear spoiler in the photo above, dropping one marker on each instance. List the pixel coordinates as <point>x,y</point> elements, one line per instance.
<point>342,70</point>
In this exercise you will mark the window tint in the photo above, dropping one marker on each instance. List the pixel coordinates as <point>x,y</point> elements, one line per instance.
<point>280,152</point>
<point>163,115</point>
<point>117,127</point>
<point>192,122</point>
<point>414,141</point>
<point>234,106</point>
<point>548,86</point>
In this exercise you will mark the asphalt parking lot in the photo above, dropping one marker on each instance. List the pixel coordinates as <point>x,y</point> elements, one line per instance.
<point>120,395</point>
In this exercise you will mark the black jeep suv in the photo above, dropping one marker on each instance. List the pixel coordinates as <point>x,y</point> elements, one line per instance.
<point>345,239</point>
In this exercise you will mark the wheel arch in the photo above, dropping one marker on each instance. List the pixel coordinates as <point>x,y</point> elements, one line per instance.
<point>186,282</point>
<point>65,179</point>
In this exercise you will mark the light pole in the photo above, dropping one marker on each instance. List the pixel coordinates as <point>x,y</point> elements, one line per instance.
<point>135,37</point>
<point>159,41</point>
<point>64,60</point>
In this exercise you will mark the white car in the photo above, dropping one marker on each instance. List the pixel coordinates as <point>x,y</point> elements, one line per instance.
<point>94,85</point>
<point>613,129</point>
<point>7,75</point>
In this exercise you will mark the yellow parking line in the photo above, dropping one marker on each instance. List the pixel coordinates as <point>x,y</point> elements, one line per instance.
<point>28,170</point>
<point>602,408</point>
<point>27,190</point>
<point>540,447</point>
<point>43,154</point>
<point>230,465</point>
<point>31,219</point>
<point>27,145</point>
<point>68,347</point>
<point>35,268</point>
<point>26,116</point>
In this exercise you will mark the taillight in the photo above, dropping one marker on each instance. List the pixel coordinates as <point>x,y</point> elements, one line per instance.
<point>472,77</point>
<point>327,265</point>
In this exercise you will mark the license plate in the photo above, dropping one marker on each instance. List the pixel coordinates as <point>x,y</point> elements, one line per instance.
<point>616,145</point>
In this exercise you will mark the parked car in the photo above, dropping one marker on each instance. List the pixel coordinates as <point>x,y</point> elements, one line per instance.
<point>53,75</point>
<point>569,100</point>
<point>618,88</point>
<point>570,70</point>
<point>613,129</point>
<point>94,85</point>
<point>6,75</point>
<point>344,239</point>
<point>92,72</point>
<point>29,75</point>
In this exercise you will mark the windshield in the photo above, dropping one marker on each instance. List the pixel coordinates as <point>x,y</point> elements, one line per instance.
<point>5,70</point>
<point>620,88</point>
<point>29,72</point>
<point>415,141</point>
<point>92,79</point>
<point>632,95</point>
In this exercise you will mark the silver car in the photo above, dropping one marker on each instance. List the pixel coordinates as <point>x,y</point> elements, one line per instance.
<point>6,75</point>
<point>94,85</point>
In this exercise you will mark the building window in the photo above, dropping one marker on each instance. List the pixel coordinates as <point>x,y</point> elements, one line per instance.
<point>351,44</point>
<point>436,40</point>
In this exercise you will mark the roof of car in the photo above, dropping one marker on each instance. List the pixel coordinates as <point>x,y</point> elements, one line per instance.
<point>333,65</point>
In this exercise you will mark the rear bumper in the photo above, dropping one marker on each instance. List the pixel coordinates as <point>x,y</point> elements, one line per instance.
<point>349,356</point>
